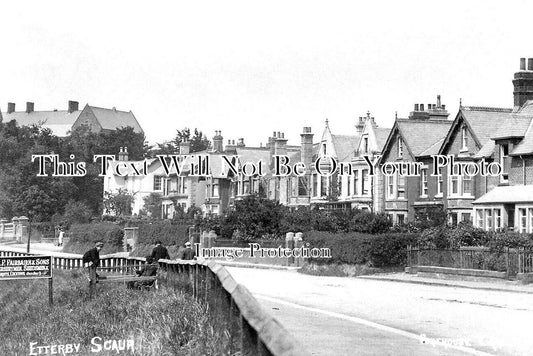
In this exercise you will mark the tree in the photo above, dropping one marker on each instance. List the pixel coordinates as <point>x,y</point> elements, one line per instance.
<point>118,203</point>
<point>152,205</point>
<point>199,142</point>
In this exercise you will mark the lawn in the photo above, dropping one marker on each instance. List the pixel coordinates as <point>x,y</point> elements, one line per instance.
<point>117,321</point>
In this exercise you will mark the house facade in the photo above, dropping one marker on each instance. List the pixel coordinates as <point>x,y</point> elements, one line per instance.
<point>507,200</point>
<point>408,193</point>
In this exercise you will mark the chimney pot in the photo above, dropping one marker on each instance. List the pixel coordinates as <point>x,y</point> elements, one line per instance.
<point>530,64</point>
<point>443,107</point>
<point>72,106</point>
<point>274,134</point>
<point>522,64</point>
<point>10,108</point>
<point>29,107</point>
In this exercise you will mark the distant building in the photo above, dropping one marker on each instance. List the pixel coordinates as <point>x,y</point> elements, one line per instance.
<point>61,122</point>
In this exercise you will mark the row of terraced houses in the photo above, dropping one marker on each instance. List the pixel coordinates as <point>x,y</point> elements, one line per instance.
<point>502,135</point>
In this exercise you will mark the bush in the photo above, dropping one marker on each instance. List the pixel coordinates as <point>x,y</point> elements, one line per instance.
<point>168,234</point>
<point>82,237</point>
<point>77,213</point>
<point>382,250</point>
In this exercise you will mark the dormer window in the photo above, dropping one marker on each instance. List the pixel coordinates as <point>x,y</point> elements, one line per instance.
<point>464,139</point>
<point>365,144</point>
<point>505,162</point>
<point>400,147</point>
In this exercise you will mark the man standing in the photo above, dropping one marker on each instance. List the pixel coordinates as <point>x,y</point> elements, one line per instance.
<point>160,252</point>
<point>187,253</point>
<point>91,260</point>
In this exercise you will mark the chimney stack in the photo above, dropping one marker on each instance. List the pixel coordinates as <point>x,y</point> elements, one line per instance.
<point>218,145</point>
<point>306,149</point>
<point>523,83</point>
<point>280,144</point>
<point>29,107</point>
<point>185,147</point>
<point>72,106</point>
<point>240,143</point>
<point>10,108</point>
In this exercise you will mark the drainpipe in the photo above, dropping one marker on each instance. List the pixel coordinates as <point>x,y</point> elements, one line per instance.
<point>523,170</point>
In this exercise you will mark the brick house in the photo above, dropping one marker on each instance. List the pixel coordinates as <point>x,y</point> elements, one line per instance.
<point>507,201</point>
<point>414,139</point>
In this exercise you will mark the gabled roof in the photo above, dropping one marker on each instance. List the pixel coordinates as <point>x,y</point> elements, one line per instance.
<point>507,194</point>
<point>484,120</point>
<point>513,127</point>
<point>381,136</point>
<point>486,151</point>
<point>422,136</point>
<point>59,122</point>
<point>526,146</point>
<point>345,145</point>
<point>112,119</point>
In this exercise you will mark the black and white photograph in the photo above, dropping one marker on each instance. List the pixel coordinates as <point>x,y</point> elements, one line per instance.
<point>281,178</point>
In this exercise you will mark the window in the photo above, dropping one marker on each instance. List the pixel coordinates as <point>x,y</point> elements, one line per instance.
<point>348,186</point>
<point>323,186</point>
<point>214,188</point>
<point>505,162</point>
<point>401,187</point>
<point>315,184</point>
<point>454,185</point>
<point>302,186</point>
<point>157,183</point>
<point>464,139</point>
<point>424,183</point>
<point>530,219</point>
<point>400,147</point>
<point>365,182</point>
<point>390,186</point>
<point>440,182</point>
<point>522,223</point>
<point>497,219</point>
<point>479,221</point>
<point>466,217</point>
<point>467,185</point>
<point>488,219</point>
<point>356,183</point>
<point>182,186</point>
<point>324,149</point>
<point>365,144</point>
<point>400,219</point>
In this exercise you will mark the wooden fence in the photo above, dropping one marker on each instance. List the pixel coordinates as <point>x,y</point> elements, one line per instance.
<point>250,330</point>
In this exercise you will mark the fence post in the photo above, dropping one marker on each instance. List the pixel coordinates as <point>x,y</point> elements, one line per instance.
<point>289,243</point>
<point>2,228</point>
<point>298,243</point>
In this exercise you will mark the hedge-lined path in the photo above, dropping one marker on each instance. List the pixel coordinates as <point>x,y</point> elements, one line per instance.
<point>334,314</point>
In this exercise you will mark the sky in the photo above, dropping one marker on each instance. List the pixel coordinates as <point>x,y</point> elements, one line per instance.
<point>249,68</point>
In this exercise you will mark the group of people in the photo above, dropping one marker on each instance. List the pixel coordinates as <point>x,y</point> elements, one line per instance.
<point>91,260</point>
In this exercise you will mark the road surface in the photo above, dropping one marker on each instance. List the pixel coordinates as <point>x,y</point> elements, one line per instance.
<point>351,316</point>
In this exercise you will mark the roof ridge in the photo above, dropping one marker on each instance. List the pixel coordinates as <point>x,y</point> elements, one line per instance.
<point>486,108</point>
<point>112,109</point>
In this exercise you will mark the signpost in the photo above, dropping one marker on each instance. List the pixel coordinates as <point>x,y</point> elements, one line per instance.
<point>28,267</point>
